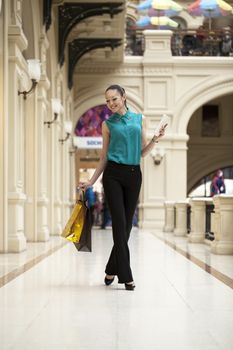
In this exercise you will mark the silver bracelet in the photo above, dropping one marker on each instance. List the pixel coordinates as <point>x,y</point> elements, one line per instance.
<point>154,140</point>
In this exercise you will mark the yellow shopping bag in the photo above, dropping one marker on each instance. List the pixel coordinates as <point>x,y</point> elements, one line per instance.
<point>74,226</point>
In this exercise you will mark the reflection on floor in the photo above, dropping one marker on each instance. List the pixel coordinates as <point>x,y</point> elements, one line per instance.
<point>220,266</point>
<point>62,303</point>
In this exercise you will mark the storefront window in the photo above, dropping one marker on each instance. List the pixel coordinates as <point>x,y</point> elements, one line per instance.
<point>90,122</point>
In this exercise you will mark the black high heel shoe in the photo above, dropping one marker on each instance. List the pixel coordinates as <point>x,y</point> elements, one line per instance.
<point>129,286</point>
<point>108,281</point>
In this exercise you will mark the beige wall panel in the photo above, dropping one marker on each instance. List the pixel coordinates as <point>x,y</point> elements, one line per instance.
<point>176,173</point>
<point>154,180</point>
<point>156,95</point>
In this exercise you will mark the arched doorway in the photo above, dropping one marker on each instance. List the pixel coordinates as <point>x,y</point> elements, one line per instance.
<point>210,145</point>
<point>211,92</point>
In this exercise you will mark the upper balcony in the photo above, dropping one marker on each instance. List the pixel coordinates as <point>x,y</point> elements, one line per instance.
<point>194,36</point>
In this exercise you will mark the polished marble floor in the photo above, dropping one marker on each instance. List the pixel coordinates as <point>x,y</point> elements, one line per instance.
<point>62,303</point>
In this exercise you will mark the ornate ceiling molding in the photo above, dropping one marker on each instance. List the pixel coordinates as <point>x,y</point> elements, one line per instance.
<point>70,14</point>
<point>134,71</point>
<point>78,47</point>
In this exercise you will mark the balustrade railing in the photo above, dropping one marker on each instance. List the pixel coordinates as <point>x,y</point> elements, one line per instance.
<point>187,43</point>
<point>202,43</point>
<point>202,219</point>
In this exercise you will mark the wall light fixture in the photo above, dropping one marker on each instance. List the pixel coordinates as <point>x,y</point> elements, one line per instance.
<point>34,71</point>
<point>157,154</point>
<point>56,109</point>
<point>68,129</point>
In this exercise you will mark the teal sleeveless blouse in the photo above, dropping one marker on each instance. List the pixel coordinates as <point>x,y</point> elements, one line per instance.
<point>125,138</point>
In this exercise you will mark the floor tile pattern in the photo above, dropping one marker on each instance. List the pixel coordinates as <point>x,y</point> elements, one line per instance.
<point>61,303</point>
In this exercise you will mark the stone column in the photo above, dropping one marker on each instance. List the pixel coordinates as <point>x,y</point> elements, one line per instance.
<point>58,156</point>
<point>42,198</point>
<point>51,171</point>
<point>223,234</point>
<point>57,179</point>
<point>65,178</point>
<point>16,195</point>
<point>57,187</point>
<point>72,194</point>
<point>198,220</point>
<point>169,216</point>
<point>30,164</point>
<point>66,165</point>
<point>157,79</point>
<point>181,218</point>
<point>3,127</point>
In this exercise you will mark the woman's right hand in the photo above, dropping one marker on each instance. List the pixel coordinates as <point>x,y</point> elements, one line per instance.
<point>84,185</point>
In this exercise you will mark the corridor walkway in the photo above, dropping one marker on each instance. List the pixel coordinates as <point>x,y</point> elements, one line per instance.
<point>61,303</point>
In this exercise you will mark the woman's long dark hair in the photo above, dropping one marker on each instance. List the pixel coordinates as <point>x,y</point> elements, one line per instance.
<point>120,89</point>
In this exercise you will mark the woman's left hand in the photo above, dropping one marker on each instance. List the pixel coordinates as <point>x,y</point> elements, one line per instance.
<point>162,131</point>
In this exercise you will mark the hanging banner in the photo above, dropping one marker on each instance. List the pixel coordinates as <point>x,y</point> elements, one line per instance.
<point>88,142</point>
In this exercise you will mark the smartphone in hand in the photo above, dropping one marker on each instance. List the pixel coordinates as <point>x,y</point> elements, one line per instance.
<point>163,123</point>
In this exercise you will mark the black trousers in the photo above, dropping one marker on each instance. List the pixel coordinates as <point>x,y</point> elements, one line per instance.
<point>122,185</point>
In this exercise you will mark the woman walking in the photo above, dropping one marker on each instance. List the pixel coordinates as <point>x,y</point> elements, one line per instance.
<point>124,143</point>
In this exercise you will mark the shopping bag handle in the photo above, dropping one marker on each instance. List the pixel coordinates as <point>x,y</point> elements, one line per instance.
<point>81,193</point>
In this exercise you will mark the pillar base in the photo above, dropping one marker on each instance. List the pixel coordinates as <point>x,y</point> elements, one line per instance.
<point>196,237</point>
<point>57,218</point>
<point>168,229</point>
<point>16,237</point>
<point>17,243</point>
<point>179,233</point>
<point>221,248</point>
<point>43,236</point>
<point>42,220</point>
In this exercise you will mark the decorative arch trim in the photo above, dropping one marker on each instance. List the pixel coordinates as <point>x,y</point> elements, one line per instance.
<point>211,88</point>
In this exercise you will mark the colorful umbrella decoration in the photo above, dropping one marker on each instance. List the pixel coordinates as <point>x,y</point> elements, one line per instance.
<point>157,21</point>
<point>158,12</point>
<point>159,5</point>
<point>195,9</point>
<point>210,9</point>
